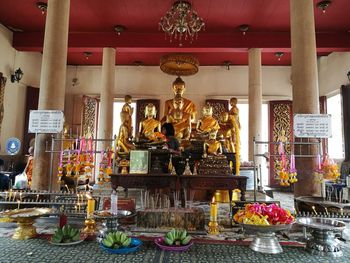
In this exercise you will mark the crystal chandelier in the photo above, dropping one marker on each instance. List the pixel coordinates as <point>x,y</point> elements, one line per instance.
<point>181,22</point>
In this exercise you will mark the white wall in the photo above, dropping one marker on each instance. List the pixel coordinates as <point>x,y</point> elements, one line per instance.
<point>332,72</point>
<point>15,93</point>
<point>209,82</point>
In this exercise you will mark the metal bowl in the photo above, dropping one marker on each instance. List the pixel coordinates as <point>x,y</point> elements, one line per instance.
<point>321,223</point>
<point>266,229</point>
<point>106,214</point>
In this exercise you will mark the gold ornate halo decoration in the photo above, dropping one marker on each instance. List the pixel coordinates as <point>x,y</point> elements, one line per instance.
<point>179,64</point>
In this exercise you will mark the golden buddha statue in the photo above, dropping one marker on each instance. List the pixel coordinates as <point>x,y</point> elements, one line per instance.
<point>234,119</point>
<point>150,125</point>
<point>227,132</point>
<point>187,107</point>
<point>123,143</point>
<point>129,110</point>
<point>212,146</point>
<point>180,120</point>
<point>234,111</point>
<point>207,123</point>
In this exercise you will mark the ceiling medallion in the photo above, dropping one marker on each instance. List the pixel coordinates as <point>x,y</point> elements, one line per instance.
<point>179,64</point>
<point>181,22</point>
<point>323,5</point>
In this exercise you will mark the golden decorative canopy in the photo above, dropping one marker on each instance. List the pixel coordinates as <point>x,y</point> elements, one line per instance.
<point>179,64</point>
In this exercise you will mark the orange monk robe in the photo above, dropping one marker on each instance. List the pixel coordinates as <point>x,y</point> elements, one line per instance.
<point>213,147</point>
<point>188,107</point>
<point>149,126</point>
<point>208,124</point>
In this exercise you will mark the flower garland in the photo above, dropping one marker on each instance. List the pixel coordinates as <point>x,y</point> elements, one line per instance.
<point>326,170</point>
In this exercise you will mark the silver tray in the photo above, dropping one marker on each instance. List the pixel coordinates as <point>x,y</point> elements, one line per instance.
<point>102,214</point>
<point>266,229</point>
<point>321,223</point>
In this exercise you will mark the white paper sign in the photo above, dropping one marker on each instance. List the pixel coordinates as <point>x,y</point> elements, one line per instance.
<point>312,126</point>
<point>45,121</point>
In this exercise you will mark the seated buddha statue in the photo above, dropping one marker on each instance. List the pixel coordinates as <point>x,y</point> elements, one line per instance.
<point>212,146</point>
<point>207,123</point>
<point>187,107</point>
<point>180,120</point>
<point>123,143</point>
<point>150,125</point>
<point>227,132</point>
<point>129,110</point>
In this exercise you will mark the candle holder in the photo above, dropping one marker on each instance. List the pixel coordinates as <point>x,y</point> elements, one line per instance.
<point>90,228</point>
<point>213,228</point>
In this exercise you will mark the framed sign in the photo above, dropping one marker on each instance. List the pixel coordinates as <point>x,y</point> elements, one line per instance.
<point>45,121</point>
<point>139,160</point>
<point>312,126</point>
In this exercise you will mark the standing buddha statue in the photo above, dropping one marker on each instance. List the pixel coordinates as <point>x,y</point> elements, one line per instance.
<point>123,143</point>
<point>227,132</point>
<point>187,107</point>
<point>234,118</point>
<point>129,110</point>
<point>150,125</point>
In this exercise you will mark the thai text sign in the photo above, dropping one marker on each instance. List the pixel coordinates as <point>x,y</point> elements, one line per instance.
<point>45,121</point>
<point>312,126</point>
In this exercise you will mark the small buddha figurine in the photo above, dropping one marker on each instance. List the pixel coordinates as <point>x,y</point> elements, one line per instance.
<point>212,146</point>
<point>187,107</point>
<point>180,120</point>
<point>150,125</point>
<point>123,142</point>
<point>207,123</point>
<point>129,110</point>
<point>227,132</point>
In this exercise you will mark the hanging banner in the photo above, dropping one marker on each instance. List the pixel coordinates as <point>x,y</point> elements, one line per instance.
<point>45,121</point>
<point>312,125</point>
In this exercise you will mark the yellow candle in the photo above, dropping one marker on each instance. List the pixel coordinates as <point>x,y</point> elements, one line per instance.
<point>213,210</point>
<point>6,195</point>
<point>10,196</point>
<point>18,203</point>
<point>90,206</point>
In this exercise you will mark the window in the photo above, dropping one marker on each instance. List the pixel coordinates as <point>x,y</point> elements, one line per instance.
<point>336,142</point>
<point>117,108</point>
<point>243,116</point>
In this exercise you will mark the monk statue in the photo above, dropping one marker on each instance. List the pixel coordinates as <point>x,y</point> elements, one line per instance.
<point>212,146</point>
<point>234,119</point>
<point>180,120</point>
<point>129,110</point>
<point>150,125</point>
<point>207,123</point>
<point>227,132</point>
<point>234,111</point>
<point>187,107</point>
<point>124,144</point>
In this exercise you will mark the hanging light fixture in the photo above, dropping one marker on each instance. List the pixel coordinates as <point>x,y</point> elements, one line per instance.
<point>87,54</point>
<point>243,28</point>
<point>181,22</point>
<point>119,29</point>
<point>279,55</point>
<point>42,6</point>
<point>323,5</point>
<point>17,76</point>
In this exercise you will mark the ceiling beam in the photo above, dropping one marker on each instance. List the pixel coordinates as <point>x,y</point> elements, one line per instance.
<point>145,42</point>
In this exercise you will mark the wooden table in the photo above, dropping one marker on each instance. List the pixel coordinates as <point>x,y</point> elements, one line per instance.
<point>180,182</point>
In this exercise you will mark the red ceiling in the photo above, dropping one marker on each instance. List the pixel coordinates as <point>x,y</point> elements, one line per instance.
<point>92,28</point>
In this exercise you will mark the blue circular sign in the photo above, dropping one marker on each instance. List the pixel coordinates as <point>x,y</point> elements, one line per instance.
<point>13,145</point>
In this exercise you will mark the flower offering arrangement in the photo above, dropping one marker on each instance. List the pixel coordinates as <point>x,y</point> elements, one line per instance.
<point>262,214</point>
